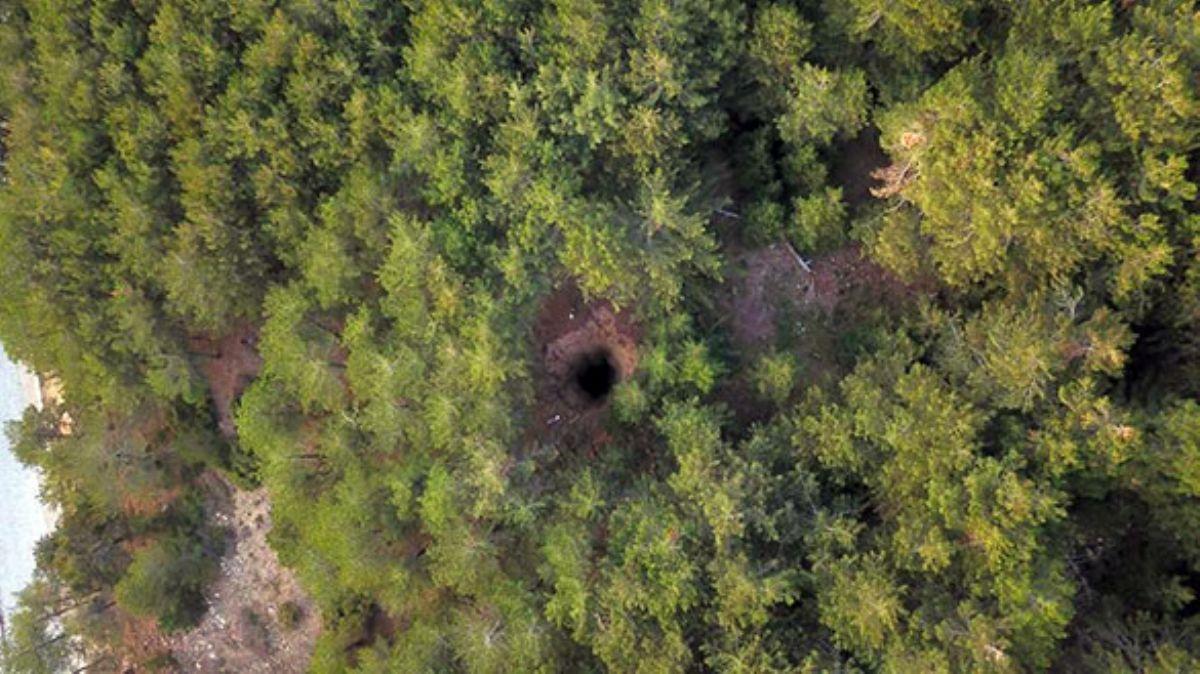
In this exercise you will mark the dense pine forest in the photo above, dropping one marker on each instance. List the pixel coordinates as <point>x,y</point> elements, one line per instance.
<point>579,336</point>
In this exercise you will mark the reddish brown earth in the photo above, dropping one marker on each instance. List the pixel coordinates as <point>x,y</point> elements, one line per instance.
<point>765,273</point>
<point>143,646</point>
<point>241,631</point>
<point>148,505</point>
<point>771,279</point>
<point>773,303</point>
<point>148,430</point>
<point>232,363</point>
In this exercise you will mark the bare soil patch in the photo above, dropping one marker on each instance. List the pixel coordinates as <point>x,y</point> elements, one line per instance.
<point>245,629</point>
<point>143,646</point>
<point>149,504</point>
<point>819,311</point>
<point>242,631</point>
<point>232,362</point>
<point>770,282</point>
<point>765,273</point>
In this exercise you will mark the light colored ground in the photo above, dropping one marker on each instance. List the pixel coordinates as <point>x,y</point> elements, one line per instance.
<point>241,631</point>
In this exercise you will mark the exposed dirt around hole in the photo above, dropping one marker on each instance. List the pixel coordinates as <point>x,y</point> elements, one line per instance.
<point>569,334</point>
<point>569,331</point>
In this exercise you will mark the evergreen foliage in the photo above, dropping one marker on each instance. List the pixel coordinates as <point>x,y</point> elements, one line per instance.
<point>999,473</point>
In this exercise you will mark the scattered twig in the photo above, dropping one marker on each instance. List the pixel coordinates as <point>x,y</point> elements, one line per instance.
<point>799,260</point>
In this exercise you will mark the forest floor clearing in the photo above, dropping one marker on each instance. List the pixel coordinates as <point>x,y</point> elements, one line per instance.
<point>244,628</point>
<point>258,619</point>
<point>770,285</point>
<point>232,364</point>
<point>818,310</point>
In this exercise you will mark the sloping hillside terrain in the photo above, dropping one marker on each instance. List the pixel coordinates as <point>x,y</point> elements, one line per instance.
<point>579,336</point>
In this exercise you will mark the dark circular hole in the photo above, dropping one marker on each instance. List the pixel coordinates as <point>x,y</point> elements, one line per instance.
<point>596,375</point>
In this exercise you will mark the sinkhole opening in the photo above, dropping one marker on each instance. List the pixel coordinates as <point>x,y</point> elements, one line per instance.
<point>596,375</point>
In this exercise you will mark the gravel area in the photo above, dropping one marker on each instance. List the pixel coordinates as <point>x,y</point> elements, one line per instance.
<point>243,630</point>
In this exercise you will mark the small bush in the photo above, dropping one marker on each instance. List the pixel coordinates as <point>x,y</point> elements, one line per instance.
<point>163,662</point>
<point>629,402</point>
<point>820,221</point>
<point>290,615</point>
<point>774,376</point>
